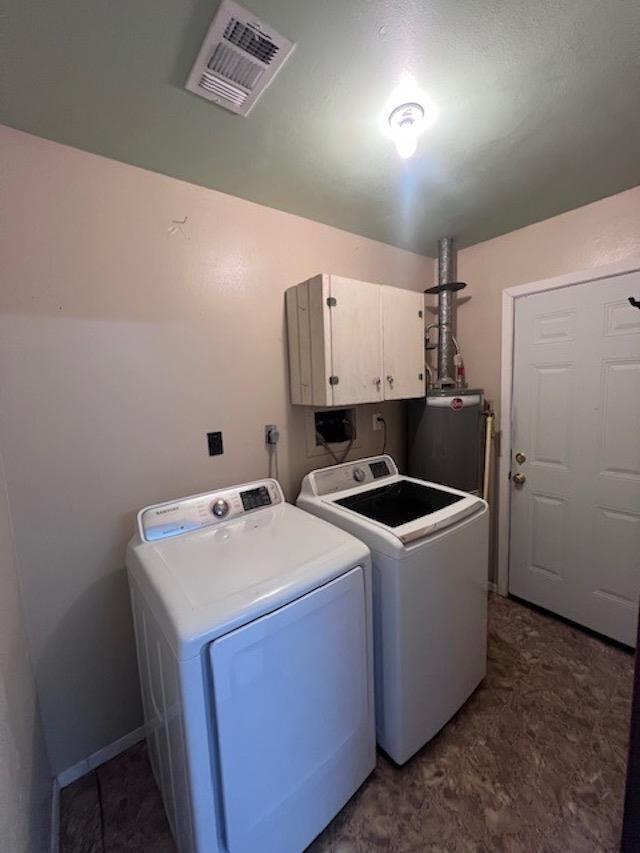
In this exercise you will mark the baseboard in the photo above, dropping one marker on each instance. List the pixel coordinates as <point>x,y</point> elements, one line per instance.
<point>81,768</point>
<point>54,845</point>
<point>492,586</point>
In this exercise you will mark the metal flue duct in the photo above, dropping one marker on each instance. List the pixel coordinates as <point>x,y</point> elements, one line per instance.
<point>445,289</point>
<point>446,275</point>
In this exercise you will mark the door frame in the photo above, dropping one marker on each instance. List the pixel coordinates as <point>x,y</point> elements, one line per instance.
<point>509,297</point>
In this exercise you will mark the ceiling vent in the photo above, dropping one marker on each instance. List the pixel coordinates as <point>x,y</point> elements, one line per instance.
<point>238,59</point>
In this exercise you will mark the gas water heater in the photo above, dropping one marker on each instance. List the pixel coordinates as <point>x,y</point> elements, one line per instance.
<point>446,441</point>
<point>446,438</point>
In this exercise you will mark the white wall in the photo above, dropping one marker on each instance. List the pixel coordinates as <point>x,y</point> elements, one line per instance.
<point>582,239</point>
<point>25,777</point>
<point>124,337</point>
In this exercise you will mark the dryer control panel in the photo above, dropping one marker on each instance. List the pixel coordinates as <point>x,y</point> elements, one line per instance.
<point>186,515</point>
<point>359,473</point>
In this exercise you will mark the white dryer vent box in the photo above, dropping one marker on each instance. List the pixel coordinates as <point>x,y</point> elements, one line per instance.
<point>238,59</point>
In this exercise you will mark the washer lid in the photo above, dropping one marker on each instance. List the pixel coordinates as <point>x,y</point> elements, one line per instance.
<point>397,511</point>
<point>399,502</point>
<point>202,584</point>
<point>407,510</point>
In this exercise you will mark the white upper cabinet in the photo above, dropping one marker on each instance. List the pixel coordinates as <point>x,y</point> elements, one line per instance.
<point>353,342</point>
<point>402,343</point>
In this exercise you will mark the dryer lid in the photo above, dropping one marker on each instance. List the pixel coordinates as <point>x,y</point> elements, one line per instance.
<point>209,581</point>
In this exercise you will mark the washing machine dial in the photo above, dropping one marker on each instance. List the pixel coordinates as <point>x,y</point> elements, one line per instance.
<point>358,475</point>
<point>220,508</point>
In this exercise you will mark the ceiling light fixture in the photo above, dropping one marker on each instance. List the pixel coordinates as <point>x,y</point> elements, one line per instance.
<point>406,113</point>
<point>406,123</point>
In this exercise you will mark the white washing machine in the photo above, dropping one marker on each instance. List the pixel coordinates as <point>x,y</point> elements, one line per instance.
<point>429,546</point>
<point>254,638</point>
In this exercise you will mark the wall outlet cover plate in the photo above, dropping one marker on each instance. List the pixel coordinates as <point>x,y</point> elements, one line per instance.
<point>214,441</point>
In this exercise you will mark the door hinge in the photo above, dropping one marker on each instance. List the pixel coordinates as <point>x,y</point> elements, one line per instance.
<point>332,301</point>
<point>420,314</point>
<point>333,380</point>
<point>421,376</point>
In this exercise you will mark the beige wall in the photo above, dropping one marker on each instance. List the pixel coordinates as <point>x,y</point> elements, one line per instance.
<point>124,337</point>
<point>139,312</point>
<point>582,239</point>
<point>25,780</point>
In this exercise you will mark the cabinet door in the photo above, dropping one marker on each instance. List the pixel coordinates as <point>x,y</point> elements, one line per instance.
<point>308,324</point>
<point>356,342</point>
<point>403,343</point>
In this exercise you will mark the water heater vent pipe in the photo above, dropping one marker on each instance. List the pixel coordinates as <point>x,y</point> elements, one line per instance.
<point>446,261</point>
<point>445,289</point>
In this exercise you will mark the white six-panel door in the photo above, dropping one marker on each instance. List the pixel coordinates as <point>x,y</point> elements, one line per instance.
<point>575,520</point>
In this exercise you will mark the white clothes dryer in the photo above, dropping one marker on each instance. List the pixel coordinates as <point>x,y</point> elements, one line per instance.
<point>429,546</point>
<point>254,637</point>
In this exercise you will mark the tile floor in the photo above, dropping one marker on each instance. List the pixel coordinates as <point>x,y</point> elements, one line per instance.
<point>534,763</point>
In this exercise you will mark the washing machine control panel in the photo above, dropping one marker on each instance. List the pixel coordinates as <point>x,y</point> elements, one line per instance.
<point>360,473</point>
<point>190,514</point>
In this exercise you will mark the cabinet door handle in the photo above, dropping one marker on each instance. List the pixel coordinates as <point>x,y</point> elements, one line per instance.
<point>390,379</point>
<point>378,383</point>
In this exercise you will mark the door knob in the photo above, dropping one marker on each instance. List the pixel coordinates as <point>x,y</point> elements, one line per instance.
<point>520,457</point>
<point>519,479</point>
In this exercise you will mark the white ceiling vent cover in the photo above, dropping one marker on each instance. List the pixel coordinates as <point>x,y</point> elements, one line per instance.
<point>238,59</point>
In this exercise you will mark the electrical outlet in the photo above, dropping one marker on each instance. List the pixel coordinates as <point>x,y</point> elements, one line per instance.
<point>214,440</point>
<point>377,424</point>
